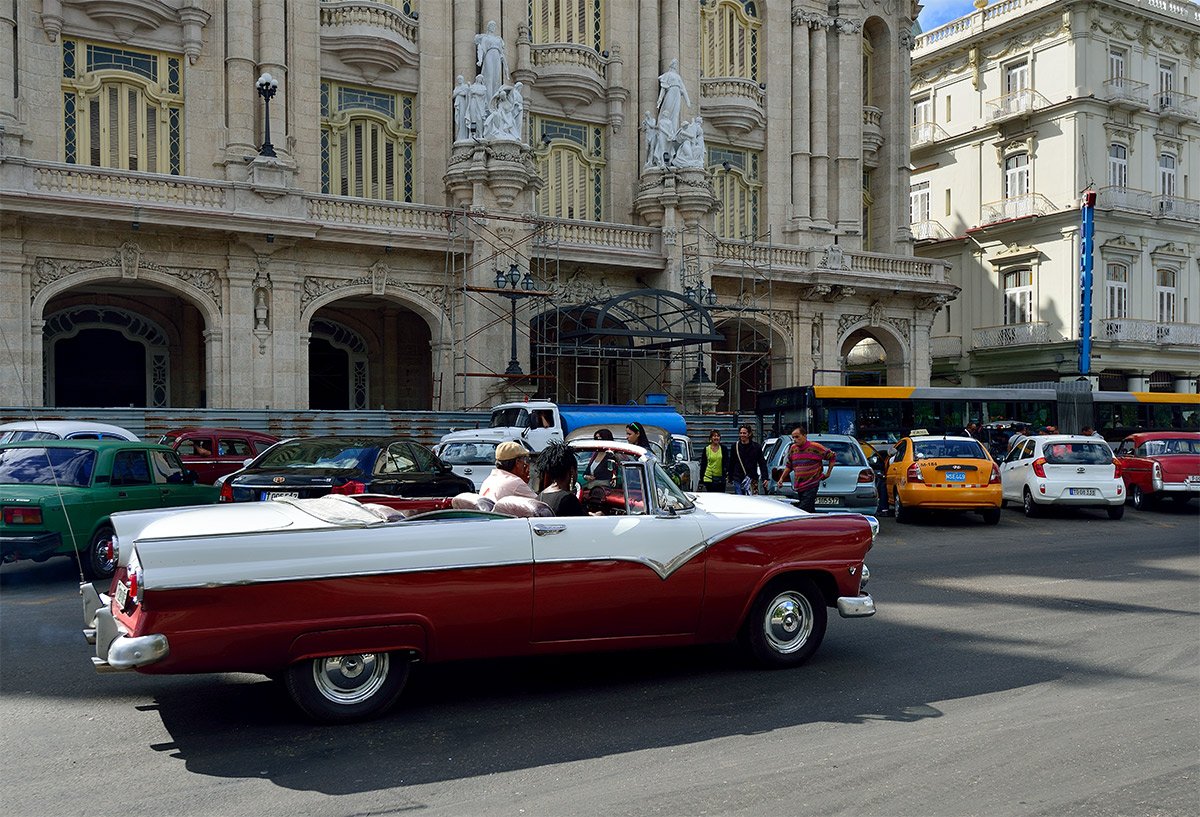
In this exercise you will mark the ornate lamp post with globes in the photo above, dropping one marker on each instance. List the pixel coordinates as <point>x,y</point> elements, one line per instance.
<point>267,85</point>
<point>512,280</point>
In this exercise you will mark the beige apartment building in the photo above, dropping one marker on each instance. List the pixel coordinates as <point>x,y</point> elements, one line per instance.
<point>1016,110</point>
<point>401,239</point>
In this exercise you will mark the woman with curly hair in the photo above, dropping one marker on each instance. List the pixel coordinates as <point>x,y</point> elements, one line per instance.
<point>558,465</point>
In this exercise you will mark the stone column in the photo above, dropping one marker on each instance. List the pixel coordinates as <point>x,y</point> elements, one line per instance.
<point>668,35</point>
<point>648,61</point>
<point>15,386</point>
<point>465,20</point>
<point>819,165</point>
<point>241,97</point>
<point>801,144</point>
<point>246,364</point>
<point>848,170</point>
<point>8,67</point>
<point>272,59</point>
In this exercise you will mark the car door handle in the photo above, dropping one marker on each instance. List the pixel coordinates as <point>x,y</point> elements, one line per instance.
<point>543,529</point>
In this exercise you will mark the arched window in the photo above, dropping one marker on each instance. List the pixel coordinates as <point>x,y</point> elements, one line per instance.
<point>1164,295</point>
<point>1118,165</point>
<point>572,169</point>
<point>738,186</point>
<point>1016,176</point>
<point>1116,291</point>
<point>122,108</point>
<point>729,39</point>
<point>579,22</point>
<point>1166,174</point>
<point>367,142</point>
<point>1018,297</point>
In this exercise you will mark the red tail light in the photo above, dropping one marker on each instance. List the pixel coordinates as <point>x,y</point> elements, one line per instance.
<point>914,473</point>
<point>866,475</point>
<point>1116,468</point>
<point>350,487</point>
<point>995,478</point>
<point>22,515</point>
<point>1039,467</point>
<point>134,582</point>
<point>226,493</point>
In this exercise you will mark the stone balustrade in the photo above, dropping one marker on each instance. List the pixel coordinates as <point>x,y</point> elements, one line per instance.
<point>946,346</point>
<point>596,235</point>
<point>556,54</point>
<point>135,188</point>
<point>382,15</point>
<point>893,266</point>
<point>340,211</point>
<point>732,87</point>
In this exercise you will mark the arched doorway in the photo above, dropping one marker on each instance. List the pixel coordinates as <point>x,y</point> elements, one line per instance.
<point>872,356</point>
<point>105,356</point>
<point>337,367</point>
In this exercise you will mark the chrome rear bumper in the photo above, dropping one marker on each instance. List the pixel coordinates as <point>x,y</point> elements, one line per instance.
<point>116,650</point>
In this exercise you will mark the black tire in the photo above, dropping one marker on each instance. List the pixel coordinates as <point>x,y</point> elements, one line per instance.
<point>991,516</point>
<point>901,514</point>
<point>1029,506</point>
<point>1003,503</point>
<point>1116,511</point>
<point>1141,500</point>
<point>96,564</point>
<point>343,688</point>
<point>786,623</point>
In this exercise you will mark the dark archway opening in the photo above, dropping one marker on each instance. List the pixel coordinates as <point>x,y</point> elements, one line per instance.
<point>98,368</point>
<point>328,376</point>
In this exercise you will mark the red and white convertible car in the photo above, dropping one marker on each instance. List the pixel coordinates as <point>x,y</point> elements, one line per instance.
<point>339,605</point>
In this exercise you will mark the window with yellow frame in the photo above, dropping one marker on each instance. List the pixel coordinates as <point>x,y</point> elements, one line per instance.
<point>729,32</point>
<point>368,142</point>
<point>738,186</point>
<point>571,165</point>
<point>578,21</point>
<point>122,107</point>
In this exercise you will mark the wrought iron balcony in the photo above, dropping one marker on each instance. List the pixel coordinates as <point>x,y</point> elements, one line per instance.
<point>926,133</point>
<point>1175,207</point>
<point>1122,92</point>
<point>1128,330</point>
<point>1175,105</point>
<point>929,231</point>
<point>1124,198</point>
<point>1016,334</point>
<point>1018,103</point>
<point>1031,204</point>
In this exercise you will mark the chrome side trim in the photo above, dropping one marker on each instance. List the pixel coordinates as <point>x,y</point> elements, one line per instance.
<point>856,606</point>
<point>127,653</point>
<point>547,529</point>
<point>761,523</point>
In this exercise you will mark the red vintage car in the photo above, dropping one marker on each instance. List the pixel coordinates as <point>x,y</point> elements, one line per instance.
<point>1159,464</point>
<point>215,452</point>
<point>339,603</point>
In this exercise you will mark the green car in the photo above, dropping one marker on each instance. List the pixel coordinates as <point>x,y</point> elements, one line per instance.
<point>57,496</point>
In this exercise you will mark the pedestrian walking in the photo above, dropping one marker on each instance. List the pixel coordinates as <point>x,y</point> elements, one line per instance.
<point>746,464</point>
<point>808,463</point>
<point>712,464</point>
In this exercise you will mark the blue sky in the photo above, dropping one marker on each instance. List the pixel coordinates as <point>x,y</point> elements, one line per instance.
<point>939,12</point>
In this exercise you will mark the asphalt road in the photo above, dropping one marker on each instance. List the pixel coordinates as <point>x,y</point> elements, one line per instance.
<point>1041,667</point>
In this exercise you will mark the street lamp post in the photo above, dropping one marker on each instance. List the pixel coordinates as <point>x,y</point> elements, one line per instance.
<point>514,287</point>
<point>267,85</point>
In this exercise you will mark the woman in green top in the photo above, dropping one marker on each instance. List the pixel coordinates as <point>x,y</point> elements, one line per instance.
<point>712,464</point>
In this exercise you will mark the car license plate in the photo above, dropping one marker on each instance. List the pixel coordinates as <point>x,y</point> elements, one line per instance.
<point>280,495</point>
<point>1193,479</point>
<point>1081,491</point>
<point>122,595</point>
<point>956,476</point>
<point>828,500</point>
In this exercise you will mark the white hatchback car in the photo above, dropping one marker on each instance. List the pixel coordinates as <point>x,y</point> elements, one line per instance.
<point>1063,470</point>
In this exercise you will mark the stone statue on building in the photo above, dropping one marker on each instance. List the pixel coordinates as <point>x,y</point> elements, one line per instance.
<point>492,61</point>
<point>505,119</point>
<point>689,150</point>
<point>654,144</point>
<point>461,97</point>
<point>477,106</point>
<point>671,95</point>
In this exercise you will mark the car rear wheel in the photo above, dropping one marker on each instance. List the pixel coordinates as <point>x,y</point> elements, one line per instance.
<point>991,516</point>
<point>1116,511</point>
<point>97,561</point>
<point>341,688</point>
<point>787,623</point>
<point>900,513</point>
<point>1030,507</point>
<point>1141,500</point>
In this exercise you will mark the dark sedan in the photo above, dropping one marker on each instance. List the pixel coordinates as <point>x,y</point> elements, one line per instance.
<point>316,466</point>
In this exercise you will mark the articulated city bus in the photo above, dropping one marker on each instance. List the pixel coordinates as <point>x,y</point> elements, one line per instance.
<point>888,413</point>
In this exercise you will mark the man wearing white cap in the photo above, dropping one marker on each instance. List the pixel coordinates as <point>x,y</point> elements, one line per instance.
<point>511,474</point>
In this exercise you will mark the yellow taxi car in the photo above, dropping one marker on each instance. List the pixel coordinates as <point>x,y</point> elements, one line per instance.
<point>930,472</point>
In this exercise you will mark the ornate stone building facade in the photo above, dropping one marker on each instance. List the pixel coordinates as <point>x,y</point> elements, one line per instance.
<point>1019,107</point>
<point>402,249</point>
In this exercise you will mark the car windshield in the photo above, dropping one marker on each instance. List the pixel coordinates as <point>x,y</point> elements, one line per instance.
<point>320,454</point>
<point>469,453</point>
<point>948,449</point>
<point>670,497</point>
<point>1077,453</point>
<point>847,453</point>
<point>21,436</point>
<point>510,417</point>
<point>1158,448</point>
<point>47,466</point>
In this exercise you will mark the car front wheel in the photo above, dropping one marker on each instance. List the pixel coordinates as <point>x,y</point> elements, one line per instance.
<point>787,623</point>
<point>342,688</point>
<point>98,562</point>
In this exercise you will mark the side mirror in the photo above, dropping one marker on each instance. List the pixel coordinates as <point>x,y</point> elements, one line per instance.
<point>679,458</point>
<point>247,461</point>
<point>875,461</point>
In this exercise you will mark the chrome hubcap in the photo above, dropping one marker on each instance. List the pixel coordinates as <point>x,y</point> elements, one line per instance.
<point>101,555</point>
<point>350,679</point>
<point>788,622</point>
